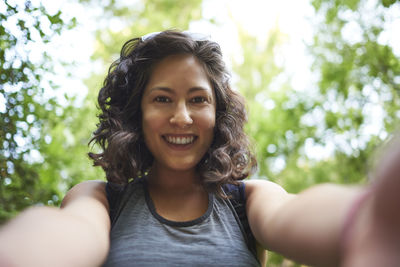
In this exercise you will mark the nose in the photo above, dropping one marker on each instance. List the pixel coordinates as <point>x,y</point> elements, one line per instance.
<point>181,116</point>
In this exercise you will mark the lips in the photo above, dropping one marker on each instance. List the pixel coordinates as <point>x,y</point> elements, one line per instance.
<point>179,140</point>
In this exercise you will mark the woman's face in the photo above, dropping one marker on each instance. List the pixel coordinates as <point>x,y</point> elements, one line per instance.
<point>178,107</point>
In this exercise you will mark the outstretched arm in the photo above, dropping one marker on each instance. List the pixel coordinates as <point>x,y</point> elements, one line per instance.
<point>77,234</point>
<point>332,225</point>
<point>305,227</point>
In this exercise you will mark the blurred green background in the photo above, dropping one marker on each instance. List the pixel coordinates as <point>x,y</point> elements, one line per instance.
<point>321,95</point>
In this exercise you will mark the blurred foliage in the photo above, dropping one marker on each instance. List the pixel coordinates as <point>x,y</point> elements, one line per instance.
<point>355,77</point>
<point>139,19</point>
<point>28,114</point>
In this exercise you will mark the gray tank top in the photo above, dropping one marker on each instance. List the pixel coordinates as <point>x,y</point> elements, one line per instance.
<point>141,237</point>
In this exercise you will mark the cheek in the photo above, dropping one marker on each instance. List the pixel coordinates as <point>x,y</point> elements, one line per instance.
<point>207,121</point>
<point>151,123</point>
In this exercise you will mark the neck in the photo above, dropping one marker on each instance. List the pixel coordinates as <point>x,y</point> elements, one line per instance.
<point>177,195</point>
<point>173,181</point>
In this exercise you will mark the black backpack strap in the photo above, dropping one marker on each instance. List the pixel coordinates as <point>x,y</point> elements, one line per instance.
<point>237,198</point>
<point>114,194</point>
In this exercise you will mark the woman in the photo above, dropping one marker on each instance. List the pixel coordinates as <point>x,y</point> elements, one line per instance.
<point>173,125</point>
<point>171,132</point>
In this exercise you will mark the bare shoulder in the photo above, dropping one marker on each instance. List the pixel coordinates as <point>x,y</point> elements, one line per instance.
<point>94,189</point>
<point>263,187</point>
<point>263,198</point>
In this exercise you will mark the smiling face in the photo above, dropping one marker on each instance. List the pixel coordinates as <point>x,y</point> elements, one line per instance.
<point>178,107</point>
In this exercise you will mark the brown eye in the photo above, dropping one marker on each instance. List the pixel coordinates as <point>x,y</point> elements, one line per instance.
<point>198,99</point>
<point>162,99</point>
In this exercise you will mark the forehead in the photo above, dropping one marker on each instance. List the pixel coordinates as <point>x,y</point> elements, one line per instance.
<point>181,69</point>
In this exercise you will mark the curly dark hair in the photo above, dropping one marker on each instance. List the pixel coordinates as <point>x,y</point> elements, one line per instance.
<point>124,154</point>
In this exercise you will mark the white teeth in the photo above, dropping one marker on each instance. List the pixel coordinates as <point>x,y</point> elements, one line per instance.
<point>180,140</point>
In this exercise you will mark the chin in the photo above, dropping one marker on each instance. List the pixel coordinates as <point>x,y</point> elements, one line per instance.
<point>182,166</point>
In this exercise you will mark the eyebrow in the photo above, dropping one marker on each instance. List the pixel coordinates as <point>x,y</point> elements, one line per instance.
<point>169,90</point>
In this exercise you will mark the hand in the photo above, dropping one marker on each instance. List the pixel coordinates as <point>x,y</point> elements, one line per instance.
<point>373,237</point>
